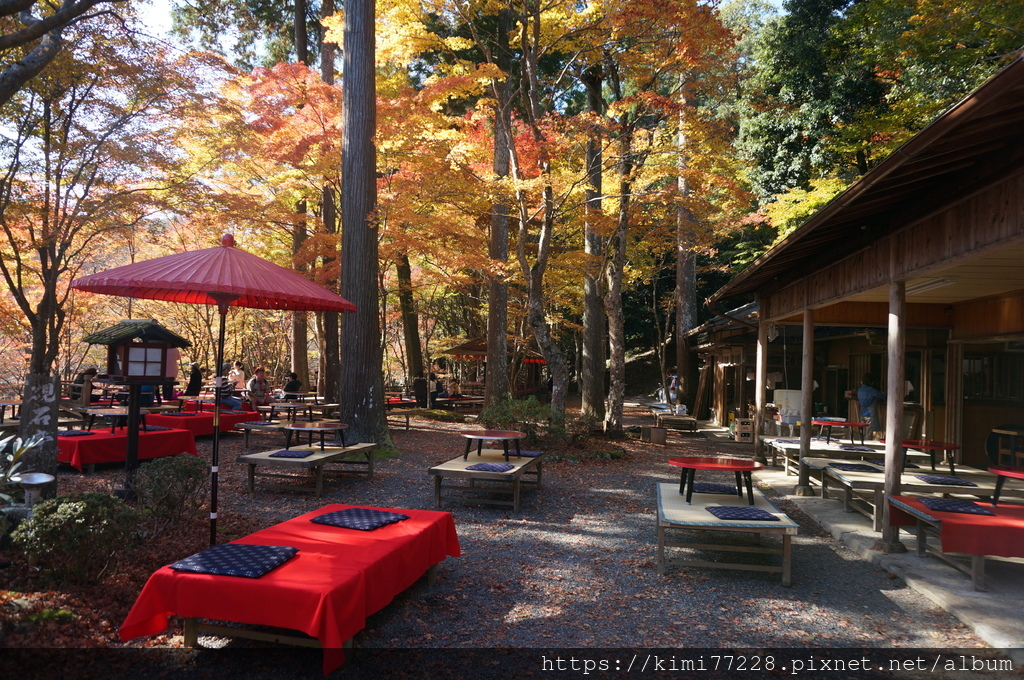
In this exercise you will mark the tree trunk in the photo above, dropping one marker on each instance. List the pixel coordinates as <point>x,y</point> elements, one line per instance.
<point>301,35</point>
<point>592,367</point>
<point>328,376</point>
<point>686,271</point>
<point>613,297</point>
<point>361,372</point>
<point>410,319</point>
<point>496,387</point>
<point>300,326</point>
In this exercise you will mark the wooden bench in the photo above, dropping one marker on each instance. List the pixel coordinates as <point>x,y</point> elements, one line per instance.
<point>675,514</point>
<point>490,483</point>
<point>260,426</point>
<point>965,540</point>
<point>400,412</point>
<point>358,455</point>
<point>674,422</point>
<point>864,492</point>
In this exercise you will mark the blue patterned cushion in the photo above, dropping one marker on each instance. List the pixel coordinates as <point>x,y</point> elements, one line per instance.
<point>910,466</point>
<point>529,454</point>
<point>855,467</point>
<point>74,433</point>
<point>491,467</point>
<point>949,481</point>
<point>180,414</point>
<point>287,453</point>
<point>856,447</point>
<point>237,559</point>
<point>230,412</point>
<point>748,513</point>
<point>787,440</point>
<point>707,487</point>
<point>363,519</point>
<point>955,505</point>
<point>155,428</point>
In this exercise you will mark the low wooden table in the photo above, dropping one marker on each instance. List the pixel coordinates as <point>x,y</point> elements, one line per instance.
<point>259,425</point>
<point>481,436</point>
<point>741,466</point>
<point>1003,473</point>
<point>314,462</point>
<point>320,426</point>
<point>504,483</point>
<point>400,412</point>
<point>674,513</point>
<point>826,426</point>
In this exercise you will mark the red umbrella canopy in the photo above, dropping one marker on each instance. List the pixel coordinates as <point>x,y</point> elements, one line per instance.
<point>214,276</point>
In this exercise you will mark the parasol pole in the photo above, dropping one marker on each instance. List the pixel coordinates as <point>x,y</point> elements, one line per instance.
<point>223,300</point>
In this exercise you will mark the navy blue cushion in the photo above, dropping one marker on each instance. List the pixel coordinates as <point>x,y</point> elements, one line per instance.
<point>287,453</point>
<point>747,512</point>
<point>155,428</point>
<point>707,487</point>
<point>230,412</point>
<point>363,519</point>
<point>491,467</point>
<point>955,505</point>
<point>74,433</point>
<point>949,481</point>
<point>180,414</point>
<point>529,454</point>
<point>787,441</point>
<point>856,447</point>
<point>855,467</point>
<point>910,466</point>
<point>237,559</point>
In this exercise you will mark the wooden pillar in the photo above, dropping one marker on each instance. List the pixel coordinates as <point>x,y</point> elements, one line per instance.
<point>760,379</point>
<point>895,387</point>
<point>803,485</point>
<point>954,387</point>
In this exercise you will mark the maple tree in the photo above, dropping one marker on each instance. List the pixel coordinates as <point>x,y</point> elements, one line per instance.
<point>88,155</point>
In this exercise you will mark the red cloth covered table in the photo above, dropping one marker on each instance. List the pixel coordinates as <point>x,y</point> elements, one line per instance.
<point>201,423</point>
<point>1000,535</point>
<point>338,578</point>
<point>103,447</point>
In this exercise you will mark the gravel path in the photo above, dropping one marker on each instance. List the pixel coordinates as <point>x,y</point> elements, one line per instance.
<point>576,569</point>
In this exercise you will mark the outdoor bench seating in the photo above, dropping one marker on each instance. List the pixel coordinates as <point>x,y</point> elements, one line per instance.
<point>485,484</point>
<point>674,514</point>
<point>358,455</point>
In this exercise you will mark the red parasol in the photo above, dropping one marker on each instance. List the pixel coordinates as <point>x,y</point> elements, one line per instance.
<point>222,276</point>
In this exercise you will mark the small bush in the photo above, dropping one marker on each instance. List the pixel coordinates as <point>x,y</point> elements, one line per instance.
<point>440,415</point>
<point>526,415</point>
<point>77,537</point>
<point>170,490</point>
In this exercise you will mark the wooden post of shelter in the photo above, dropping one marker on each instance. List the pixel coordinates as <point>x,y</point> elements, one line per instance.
<point>760,378</point>
<point>895,387</point>
<point>803,485</point>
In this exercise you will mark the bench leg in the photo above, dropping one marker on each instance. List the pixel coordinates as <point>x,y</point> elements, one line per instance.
<point>252,477</point>
<point>787,559</point>
<point>437,491</point>
<point>978,572</point>
<point>191,634</point>
<point>515,495</point>
<point>319,480</point>
<point>661,550</point>
<point>432,575</point>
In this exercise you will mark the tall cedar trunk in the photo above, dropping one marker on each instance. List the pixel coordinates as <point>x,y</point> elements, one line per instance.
<point>361,372</point>
<point>410,319</point>
<point>301,35</point>
<point>329,383</point>
<point>686,272</point>
<point>300,324</point>
<point>496,386</point>
<point>592,366</point>
<point>613,298</point>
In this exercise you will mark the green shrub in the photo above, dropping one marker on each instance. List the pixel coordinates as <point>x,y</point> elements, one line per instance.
<point>77,537</point>
<point>170,490</point>
<point>440,415</point>
<point>526,415</point>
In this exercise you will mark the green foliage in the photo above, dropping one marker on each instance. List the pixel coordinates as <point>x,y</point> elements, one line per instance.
<point>440,415</point>
<point>170,490</point>
<point>525,415</point>
<point>59,615</point>
<point>576,432</point>
<point>77,537</point>
<point>796,206</point>
<point>11,451</point>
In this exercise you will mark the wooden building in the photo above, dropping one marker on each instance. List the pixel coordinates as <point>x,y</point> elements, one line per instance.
<point>927,249</point>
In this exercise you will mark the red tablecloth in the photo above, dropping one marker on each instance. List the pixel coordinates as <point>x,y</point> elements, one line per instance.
<point>338,578</point>
<point>1000,535</point>
<point>201,423</point>
<point>103,447</point>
